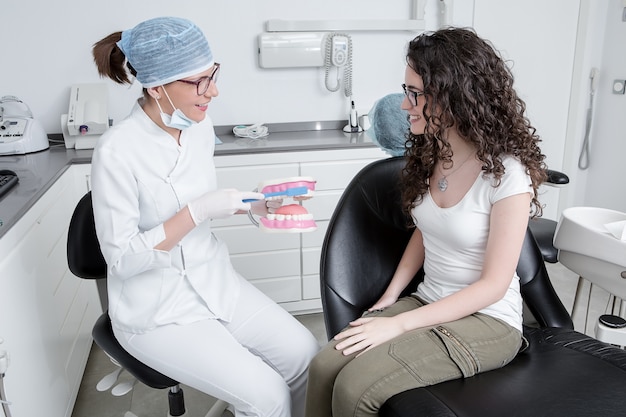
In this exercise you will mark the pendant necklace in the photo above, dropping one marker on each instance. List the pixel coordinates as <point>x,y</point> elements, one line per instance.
<point>442,184</point>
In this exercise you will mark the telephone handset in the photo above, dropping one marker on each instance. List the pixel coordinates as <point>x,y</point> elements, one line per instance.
<point>339,55</point>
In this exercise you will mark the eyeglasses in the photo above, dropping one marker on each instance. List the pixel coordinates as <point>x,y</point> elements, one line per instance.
<point>202,84</point>
<point>412,95</point>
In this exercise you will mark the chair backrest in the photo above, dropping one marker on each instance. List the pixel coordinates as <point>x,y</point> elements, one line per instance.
<point>85,260</point>
<point>83,249</point>
<point>365,240</point>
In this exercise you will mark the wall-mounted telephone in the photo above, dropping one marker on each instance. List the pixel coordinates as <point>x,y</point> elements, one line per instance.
<point>338,55</point>
<point>331,50</point>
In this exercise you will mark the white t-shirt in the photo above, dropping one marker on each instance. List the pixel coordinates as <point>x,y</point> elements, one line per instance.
<point>455,239</point>
<point>140,178</point>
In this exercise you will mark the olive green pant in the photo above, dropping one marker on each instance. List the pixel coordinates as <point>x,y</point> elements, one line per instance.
<point>342,386</point>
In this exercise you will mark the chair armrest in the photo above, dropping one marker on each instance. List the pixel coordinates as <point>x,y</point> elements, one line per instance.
<point>556,178</point>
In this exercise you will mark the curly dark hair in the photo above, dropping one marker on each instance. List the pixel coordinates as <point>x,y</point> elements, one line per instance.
<point>467,85</point>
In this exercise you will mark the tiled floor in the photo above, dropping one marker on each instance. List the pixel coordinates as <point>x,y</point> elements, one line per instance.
<point>144,401</point>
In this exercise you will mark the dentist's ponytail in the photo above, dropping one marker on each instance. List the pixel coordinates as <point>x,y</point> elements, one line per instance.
<point>111,61</point>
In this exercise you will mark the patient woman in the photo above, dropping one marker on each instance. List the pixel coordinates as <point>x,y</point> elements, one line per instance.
<point>175,301</point>
<point>472,170</point>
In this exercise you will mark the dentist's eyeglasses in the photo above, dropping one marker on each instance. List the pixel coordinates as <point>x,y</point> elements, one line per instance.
<point>202,84</point>
<point>412,95</point>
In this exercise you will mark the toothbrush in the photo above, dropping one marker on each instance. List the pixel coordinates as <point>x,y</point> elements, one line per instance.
<point>289,192</point>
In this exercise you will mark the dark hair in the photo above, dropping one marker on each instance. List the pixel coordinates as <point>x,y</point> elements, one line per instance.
<point>110,59</point>
<point>469,86</point>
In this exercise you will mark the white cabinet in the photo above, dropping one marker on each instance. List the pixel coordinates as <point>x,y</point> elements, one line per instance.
<point>286,265</point>
<point>46,313</point>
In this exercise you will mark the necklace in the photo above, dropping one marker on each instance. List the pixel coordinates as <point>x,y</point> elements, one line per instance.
<point>442,184</point>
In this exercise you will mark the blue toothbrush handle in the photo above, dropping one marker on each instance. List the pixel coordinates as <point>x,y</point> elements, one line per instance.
<point>290,192</point>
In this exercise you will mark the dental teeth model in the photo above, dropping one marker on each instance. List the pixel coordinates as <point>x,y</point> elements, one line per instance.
<point>297,187</point>
<point>290,218</point>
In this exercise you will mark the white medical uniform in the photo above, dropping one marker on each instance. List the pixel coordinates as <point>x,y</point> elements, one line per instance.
<point>187,312</point>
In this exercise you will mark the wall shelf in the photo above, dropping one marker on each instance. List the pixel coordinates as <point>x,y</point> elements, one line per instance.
<point>277,25</point>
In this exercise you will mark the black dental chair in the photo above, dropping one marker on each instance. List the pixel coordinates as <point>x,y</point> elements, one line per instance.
<point>562,373</point>
<point>85,261</point>
<point>543,229</point>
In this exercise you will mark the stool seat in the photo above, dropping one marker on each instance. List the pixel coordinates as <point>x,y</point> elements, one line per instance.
<point>85,260</point>
<point>103,336</point>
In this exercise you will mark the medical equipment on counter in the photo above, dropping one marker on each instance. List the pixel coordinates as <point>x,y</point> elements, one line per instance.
<point>353,125</point>
<point>254,131</point>
<point>86,118</point>
<point>19,132</point>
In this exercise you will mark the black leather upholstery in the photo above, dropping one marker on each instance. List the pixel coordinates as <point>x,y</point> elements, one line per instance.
<point>562,373</point>
<point>543,229</point>
<point>85,261</point>
<point>83,249</point>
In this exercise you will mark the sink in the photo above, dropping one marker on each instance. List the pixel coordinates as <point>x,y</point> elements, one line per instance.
<point>589,249</point>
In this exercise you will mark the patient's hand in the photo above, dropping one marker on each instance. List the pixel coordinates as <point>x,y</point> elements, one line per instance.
<point>366,333</point>
<point>384,302</point>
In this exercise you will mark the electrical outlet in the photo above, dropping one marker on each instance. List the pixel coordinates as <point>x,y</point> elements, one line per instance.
<point>619,86</point>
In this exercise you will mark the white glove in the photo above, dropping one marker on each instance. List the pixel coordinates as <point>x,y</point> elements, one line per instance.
<point>220,204</point>
<point>263,207</point>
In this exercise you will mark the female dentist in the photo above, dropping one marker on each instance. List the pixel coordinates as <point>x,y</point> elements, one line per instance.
<point>175,301</point>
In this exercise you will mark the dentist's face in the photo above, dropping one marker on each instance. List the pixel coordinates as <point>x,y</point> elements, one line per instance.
<point>414,100</point>
<point>184,96</point>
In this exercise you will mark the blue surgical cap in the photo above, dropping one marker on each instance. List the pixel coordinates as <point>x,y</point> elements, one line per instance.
<point>389,124</point>
<point>165,49</point>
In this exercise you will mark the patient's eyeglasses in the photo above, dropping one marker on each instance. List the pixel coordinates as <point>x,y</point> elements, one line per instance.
<point>202,84</point>
<point>412,95</point>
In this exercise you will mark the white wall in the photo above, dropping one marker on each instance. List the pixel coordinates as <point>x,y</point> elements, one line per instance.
<point>607,167</point>
<point>539,39</point>
<point>47,47</point>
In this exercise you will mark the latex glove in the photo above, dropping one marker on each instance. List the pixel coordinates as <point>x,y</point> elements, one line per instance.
<point>220,204</point>
<point>263,207</point>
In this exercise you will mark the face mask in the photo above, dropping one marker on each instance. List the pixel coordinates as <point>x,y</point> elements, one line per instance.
<point>177,120</point>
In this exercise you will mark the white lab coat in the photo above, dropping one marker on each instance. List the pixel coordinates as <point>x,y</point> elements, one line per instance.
<point>186,312</point>
<point>140,178</point>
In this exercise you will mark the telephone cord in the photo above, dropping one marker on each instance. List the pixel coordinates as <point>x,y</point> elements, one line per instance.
<point>347,72</point>
<point>327,65</point>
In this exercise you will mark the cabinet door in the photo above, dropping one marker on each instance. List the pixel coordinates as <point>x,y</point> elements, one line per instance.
<point>332,178</point>
<point>285,266</point>
<point>46,313</point>
<point>82,177</point>
<point>334,175</point>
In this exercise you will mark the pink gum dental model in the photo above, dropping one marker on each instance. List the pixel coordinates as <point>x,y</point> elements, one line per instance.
<point>301,187</point>
<point>290,218</point>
